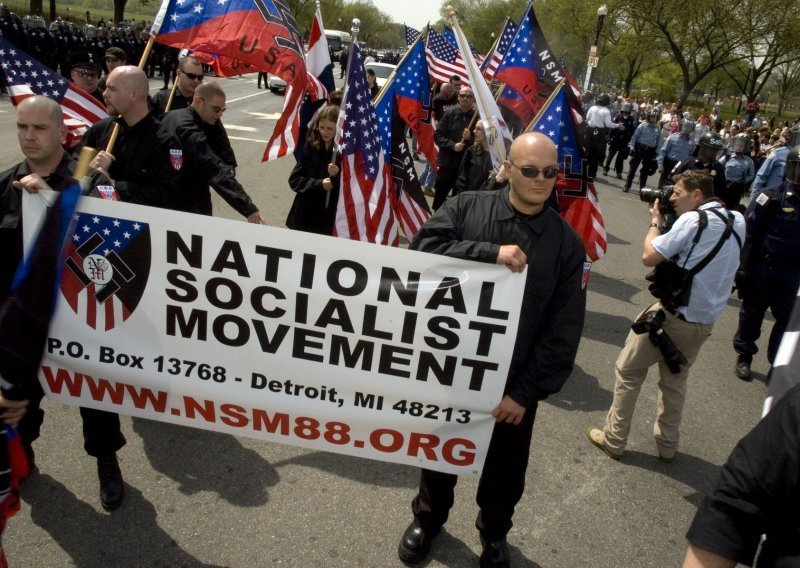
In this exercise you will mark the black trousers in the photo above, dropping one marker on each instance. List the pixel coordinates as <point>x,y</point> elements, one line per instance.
<point>595,149</point>
<point>101,431</point>
<point>621,152</point>
<point>445,181</point>
<point>499,489</point>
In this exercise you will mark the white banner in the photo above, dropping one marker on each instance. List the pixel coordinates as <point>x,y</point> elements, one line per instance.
<point>280,335</point>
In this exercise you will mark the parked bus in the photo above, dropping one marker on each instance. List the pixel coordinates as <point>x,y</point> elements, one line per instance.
<point>338,40</point>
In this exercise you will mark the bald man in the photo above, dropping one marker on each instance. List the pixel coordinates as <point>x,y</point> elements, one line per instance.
<point>41,133</point>
<point>516,228</point>
<point>145,164</point>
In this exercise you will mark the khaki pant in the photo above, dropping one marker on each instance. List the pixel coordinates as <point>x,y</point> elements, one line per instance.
<point>637,356</point>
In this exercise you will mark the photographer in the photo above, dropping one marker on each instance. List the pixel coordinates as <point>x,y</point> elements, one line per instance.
<point>695,264</point>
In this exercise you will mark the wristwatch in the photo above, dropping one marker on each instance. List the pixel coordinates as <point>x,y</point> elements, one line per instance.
<point>657,226</point>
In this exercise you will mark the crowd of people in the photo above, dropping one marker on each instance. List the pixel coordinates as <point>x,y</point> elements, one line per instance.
<point>174,143</point>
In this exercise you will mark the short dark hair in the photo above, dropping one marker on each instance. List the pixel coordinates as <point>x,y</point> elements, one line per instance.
<point>696,179</point>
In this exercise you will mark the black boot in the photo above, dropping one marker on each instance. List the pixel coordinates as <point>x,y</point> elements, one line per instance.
<point>112,488</point>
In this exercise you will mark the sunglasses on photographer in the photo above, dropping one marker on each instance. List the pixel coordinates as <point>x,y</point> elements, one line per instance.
<point>533,172</point>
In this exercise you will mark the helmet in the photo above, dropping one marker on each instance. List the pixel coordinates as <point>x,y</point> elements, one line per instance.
<point>604,100</point>
<point>626,107</point>
<point>687,126</point>
<point>711,140</point>
<point>741,143</point>
<point>792,171</point>
<point>653,113</point>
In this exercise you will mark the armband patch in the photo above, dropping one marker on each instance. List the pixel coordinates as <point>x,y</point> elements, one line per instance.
<point>587,268</point>
<point>107,192</point>
<point>762,199</point>
<point>176,158</point>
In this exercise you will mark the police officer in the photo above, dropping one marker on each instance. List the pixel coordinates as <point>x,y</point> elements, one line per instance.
<point>598,125</point>
<point>644,149</point>
<point>619,138</point>
<point>708,148</point>
<point>739,171</point>
<point>769,275</point>
<point>678,148</point>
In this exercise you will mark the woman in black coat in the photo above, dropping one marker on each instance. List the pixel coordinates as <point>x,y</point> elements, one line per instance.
<point>476,165</point>
<point>315,178</point>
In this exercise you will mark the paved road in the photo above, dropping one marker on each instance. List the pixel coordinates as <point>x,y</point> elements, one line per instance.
<point>196,498</point>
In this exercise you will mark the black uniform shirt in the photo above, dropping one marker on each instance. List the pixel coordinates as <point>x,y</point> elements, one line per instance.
<point>472,226</point>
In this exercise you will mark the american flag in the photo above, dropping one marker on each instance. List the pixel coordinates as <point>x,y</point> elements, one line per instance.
<point>411,35</point>
<point>412,88</point>
<point>450,36</point>
<point>577,197</point>
<point>444,59</point>
<point>493,59</point>
<point>365,211</point>
<point>107,266</point>
<point>27,77</point>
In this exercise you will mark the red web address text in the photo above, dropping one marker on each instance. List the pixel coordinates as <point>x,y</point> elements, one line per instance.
<point>455,451</point>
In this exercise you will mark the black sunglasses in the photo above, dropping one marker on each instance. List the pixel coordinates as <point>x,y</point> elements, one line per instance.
<point>533,172</point>
<point>193,77</point>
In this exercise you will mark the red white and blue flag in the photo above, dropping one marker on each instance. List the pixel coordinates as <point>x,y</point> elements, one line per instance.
<point>27,77</point>
<point>365,211</point>
<point>444,59</point>
<point>577,197</point>
<point>411,86</point>
<point>493,59</point>
<point>518,68</point>
<point>401,103</point>
<point>262,33</point>
<point>299,107</point>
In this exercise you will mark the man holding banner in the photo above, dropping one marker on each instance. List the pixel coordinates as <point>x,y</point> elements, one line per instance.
<point>511,227</point>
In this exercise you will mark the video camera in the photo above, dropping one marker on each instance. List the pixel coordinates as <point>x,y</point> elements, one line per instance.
<point>650,194</point>
<point>651,323</point>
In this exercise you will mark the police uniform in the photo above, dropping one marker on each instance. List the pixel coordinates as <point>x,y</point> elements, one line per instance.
<point>644,149</point>
<point>204,165</point>
<point>598,124</point>
<point>717,173</point>
<point>677,148</point>
<point>618,144</point>
<point>739,173</point>
<point>772,266</point>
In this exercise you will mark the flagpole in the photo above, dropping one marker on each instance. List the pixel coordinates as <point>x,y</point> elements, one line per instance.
<point>496,136</point>
<point>142,62</point>
<point>388,82</point>
<point>171,94</point>
<point>546,103</point>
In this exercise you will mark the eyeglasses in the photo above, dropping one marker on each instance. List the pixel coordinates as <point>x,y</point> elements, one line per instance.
<point>219,109</point>
<point>192,76</point>
<point>87,74</point>
<point>466,96</point>
<point>533,172</point>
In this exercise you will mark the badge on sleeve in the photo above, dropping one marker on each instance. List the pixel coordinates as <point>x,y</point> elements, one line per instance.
<point>762,199</point>
<point>176,158</point>
<point>108,192</point>
<point>587,268</point>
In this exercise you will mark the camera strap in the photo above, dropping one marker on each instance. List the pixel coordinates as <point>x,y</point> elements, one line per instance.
<point>725,235</point>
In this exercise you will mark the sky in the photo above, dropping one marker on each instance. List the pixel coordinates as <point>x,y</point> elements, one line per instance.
<point>415,13</point>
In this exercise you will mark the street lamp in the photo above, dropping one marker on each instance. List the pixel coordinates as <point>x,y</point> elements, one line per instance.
<point>593,57</point>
